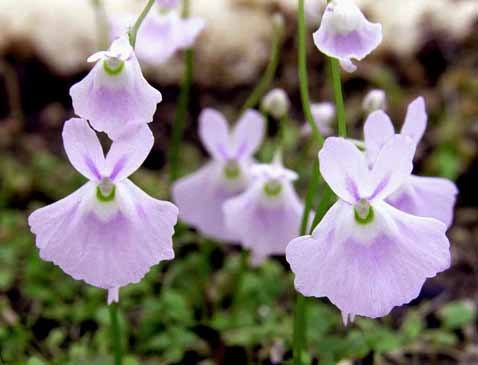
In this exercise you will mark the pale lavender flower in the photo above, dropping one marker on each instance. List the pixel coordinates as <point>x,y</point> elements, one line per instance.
<point>109,232</point>
<point>160,35</point>
<point>115,97</point>
<point>200,196</point>
<point>324,114</point>
<point>168,4</point>
<point>268,214</point>
<point>365,255</point>
<point>346,34</point>
<point>422,196</point>
<point>374,100</point>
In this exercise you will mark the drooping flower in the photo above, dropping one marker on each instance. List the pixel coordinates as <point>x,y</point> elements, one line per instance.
<point>422,196</point>
<point>168,4</point>
<point>108,232</point>
<point>374,100</point>
<point>115,97</point>
<point>324,114</point>
<point>365,255</point>
<point>200,196</point>
<point>160,35</point>
<point>268,214</point>
<point>346,34</point>
<point>276,103</point>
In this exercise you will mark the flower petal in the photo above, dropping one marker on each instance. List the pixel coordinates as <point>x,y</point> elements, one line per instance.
<point>248,134</point>
<point>128,153</point>
<point>114,103</point>
<point>344,168</point>
<point>214,133</point>
<point>392,167</point>
<point>378,130</point>
<point>415,120</point>
<point>200,197</point>
<point>369,278</point>
<point>426,197</point>
<point>106,253</point>
<point>346,34</point>
<point>264,227</point>
<point>83,148</point>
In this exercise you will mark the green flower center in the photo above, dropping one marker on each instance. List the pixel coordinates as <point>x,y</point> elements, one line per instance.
<point>232,170</point>
<point>105,191</point>
<point>363,212</point>
<point>113,67</point>
<point>272,188</point>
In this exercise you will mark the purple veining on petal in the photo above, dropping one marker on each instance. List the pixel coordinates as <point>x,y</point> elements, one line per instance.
<point>92,167</point>
<point>118,167</point>
<point>223,151</point>
<point>241,151</point>
<point>383,183</point>
<point>352,187</point>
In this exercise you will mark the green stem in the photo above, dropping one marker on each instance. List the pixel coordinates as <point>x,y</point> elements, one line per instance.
<point>115,334</point>
<point>303,78</point>
<point>101,24</point>
<point>182,109</point>
<point>299,340</point>
<point>323,206</point>
<point>269,73</point>
<point>133,32</point>
<point>309,198</point>
<point>339,98</point>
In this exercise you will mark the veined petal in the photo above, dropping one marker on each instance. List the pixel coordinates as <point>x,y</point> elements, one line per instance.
<point>200,197</point>
<point>426,197</point>
<point>83,148</point>
<point>415,120</point>
<point>345,33</point>
<point>344,168</point>
<point>378,130</point>
<point>265,227</point>
<point>214,133</point>
<point>106,252</point>
<point>392,167</point>
<point>248,134</point>
<point>128,153</point>
<point>114,102</point>
<point>369,279</point>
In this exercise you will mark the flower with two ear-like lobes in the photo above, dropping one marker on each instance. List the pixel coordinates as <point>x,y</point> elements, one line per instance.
<point>346,34</point>
<point>160,35</point>
<point>365,255</point>
<point>200,196</point>
<point>268,214</point>
<point>423,196</point>
<point>115,97</point>
<point>109,232</point>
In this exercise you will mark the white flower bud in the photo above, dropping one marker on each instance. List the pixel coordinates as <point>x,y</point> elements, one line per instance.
<point>374,100</point>
<point>276,103</point>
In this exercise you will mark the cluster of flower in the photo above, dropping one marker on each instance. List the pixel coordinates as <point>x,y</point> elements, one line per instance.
<point>372,251</point>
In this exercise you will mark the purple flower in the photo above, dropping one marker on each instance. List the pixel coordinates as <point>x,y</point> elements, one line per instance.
<point>324,114</point>
<point>168,4</point>
<point>200,196</point>
<point>422,196</point>
<point>365,255</point>
<point>160,35</point>
<point>268,214</point>
<point>115,97</point>
<point>109,232</point>
<point>346,34</point>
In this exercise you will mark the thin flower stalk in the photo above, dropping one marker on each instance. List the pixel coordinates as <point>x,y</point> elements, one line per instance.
<point>133,33</point>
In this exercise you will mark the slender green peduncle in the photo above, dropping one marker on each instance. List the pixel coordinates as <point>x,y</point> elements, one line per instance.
<point>115,334</point>
<point>182,108</point>
<point>269,73</point>
<point>338,95</point>
<point>133,32</point>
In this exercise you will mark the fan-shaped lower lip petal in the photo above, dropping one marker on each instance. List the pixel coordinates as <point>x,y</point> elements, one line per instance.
<point>369,279</point>
<point>109,251</point>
